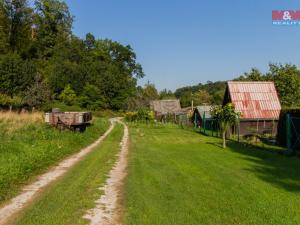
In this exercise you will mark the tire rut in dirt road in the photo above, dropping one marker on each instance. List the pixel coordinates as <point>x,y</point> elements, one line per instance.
<point>29,192</point>
<point>108,209</point>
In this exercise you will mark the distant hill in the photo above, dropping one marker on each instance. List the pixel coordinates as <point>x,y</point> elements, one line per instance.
<point>209,93</point>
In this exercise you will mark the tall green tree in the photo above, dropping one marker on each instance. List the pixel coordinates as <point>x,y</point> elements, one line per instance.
<point>121,56</point>
<point>186,98</point>
<point>15,25</point>
<point>38,94</point>
<point>150,92</point>
<point>40,41</point>
<point>201,97</point>
<point>92,98</point>
<point>213,89</point>
<point>53,24</point>
<point>166,94</point>
<point>287,81</point>
<point>253,75</point>
<point>16,74</point>
<point>4,29</point>
<point>90,41</point>
<point>116,72</point>
<point>286,78</point>
<point>218,97</point>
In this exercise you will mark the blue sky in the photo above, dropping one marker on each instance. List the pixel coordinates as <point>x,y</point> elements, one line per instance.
<point>184,42</point>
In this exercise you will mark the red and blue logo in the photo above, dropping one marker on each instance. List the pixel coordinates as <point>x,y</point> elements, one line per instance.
<point>286,17</point>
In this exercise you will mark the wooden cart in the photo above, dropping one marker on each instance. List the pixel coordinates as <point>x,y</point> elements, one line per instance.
<point>76,121</point>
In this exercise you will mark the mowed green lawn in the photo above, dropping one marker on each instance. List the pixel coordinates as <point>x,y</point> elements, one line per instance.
<point>177,176</point>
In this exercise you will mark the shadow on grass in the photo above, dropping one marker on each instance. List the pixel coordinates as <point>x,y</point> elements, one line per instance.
<point>279,170</point>
<point>216,144</point>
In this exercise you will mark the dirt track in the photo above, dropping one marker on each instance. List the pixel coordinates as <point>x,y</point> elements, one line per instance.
<point>30,191</point>
<point>108,209</point>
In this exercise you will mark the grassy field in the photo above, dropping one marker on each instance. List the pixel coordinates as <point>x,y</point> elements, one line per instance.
<point>180,177</point>
<point>28,147</point>
<point>66,201</point>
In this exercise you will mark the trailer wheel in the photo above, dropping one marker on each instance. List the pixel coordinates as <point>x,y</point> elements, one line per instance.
<point>76,128</point>
<point>82,128</point>
<point>79,128</point>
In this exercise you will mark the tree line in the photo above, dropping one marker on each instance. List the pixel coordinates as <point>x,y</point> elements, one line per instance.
<point>286,78</point>
<point>42,61</point>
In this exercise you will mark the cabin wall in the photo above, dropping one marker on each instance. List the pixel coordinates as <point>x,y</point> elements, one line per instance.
<point>258,127</point>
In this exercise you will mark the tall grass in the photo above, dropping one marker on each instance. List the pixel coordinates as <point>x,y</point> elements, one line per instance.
<point>28,146</point>
<point>21,117</point>
<point>12,121</point>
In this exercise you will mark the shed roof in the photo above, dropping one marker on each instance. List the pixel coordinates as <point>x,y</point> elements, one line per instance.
<point>165,106</point>
<point>204,109</point>
<point>255,99</point>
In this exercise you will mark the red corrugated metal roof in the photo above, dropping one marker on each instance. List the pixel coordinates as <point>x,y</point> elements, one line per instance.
<point>255,99</point>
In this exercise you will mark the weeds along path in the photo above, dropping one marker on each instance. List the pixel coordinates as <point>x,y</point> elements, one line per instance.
<point>30,191</point>
<point>108,209</point>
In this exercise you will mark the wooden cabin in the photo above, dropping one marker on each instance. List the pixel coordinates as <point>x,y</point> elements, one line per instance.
<point>258,104</point>
<point>201,113</point>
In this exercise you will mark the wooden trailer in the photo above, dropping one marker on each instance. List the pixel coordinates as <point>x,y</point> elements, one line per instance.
<point>76,121</point>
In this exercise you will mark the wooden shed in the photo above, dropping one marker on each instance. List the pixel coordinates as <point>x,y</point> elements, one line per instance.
<point>166,110</point>
<point>258,103</point>
<point>163,107</point>
<point>200,113</point>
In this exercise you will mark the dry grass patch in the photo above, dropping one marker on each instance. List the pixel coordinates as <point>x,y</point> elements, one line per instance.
<point>12,121</point>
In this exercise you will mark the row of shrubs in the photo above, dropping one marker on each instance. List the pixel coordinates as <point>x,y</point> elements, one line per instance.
<point>143,115</point>
<point>10,102</point>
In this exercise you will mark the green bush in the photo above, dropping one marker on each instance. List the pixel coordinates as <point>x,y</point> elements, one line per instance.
<point>4,100</point>
<point>168,118</point>
<point>62,106</point>
<point>143,115</point>
<point>91,98</point>
<point>68,96</point>
<point>108,113</point>
<point>131,116</point>
<point>10,102</point>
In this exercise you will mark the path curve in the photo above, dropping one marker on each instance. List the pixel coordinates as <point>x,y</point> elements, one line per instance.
<point>108,209</point>
<point>29,192</point>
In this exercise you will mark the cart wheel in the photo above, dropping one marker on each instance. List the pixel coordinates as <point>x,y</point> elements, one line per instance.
<point>82,128</point>
<point>77,129</point>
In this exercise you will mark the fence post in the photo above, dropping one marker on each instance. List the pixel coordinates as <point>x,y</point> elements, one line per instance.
<point>204,122</point>
<point>238,128</point>
<point>288,134</point>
